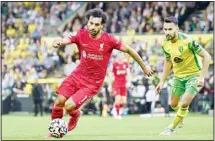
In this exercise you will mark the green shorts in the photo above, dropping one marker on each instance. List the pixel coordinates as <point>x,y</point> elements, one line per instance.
<point>184,85</point>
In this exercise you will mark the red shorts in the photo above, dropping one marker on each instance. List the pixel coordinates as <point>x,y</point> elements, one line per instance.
<point>72,87</point>
<point>119,91</point>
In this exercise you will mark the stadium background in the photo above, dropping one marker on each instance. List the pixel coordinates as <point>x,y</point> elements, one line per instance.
<point>29,28</point>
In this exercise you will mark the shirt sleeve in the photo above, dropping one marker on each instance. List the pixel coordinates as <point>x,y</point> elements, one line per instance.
<point>73,37</point>
<point>115,43</point>
<point>168,56</point>
<point>195,47</point>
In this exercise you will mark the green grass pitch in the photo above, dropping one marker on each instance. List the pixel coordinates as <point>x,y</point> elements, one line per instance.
<point>27,127</point>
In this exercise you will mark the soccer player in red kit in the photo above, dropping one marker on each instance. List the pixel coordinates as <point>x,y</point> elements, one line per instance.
<point>95,48</point>
<point>120,72</point>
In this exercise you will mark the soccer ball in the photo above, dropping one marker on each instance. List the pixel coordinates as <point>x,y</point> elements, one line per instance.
<point>58,128</point>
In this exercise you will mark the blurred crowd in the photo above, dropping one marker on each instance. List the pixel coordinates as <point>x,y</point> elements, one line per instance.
<point>26,58</point>
<point>147,17</point>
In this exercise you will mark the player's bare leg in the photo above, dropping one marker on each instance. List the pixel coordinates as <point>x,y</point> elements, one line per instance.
<point>181,113</point>
<point>123,101</point>
<point>117,105</point>
<point>175,102</point>
<point>183,109</point>
<point>57,110</point>
<point>70,107</point>
<point>175,106</point>
<point>120,101</point>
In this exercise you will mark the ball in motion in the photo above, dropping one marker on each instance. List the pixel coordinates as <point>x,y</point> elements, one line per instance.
<point>58,128</point>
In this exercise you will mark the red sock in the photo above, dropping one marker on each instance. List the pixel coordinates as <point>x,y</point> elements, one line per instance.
<point>117,106</point>
<point>121,105</point>
<point>57,112</point>
<point>74,113</point>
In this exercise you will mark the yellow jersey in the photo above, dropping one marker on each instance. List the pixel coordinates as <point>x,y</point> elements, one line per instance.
<point>184,55</point>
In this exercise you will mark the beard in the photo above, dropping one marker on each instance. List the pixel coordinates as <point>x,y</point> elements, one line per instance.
<point>94,33</point>
<point>169,37</point>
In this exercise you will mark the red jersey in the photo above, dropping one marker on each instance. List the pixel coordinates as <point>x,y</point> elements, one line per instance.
<point>119,71</point>
<point>95,55</point>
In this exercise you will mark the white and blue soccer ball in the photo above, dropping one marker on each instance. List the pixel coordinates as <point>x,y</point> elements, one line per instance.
<point>58,128</point>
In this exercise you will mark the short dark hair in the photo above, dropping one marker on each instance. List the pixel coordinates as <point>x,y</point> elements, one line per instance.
<point>171,19</point>
<point>96,12</point>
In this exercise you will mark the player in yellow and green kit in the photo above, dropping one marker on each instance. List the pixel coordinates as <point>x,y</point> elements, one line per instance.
<point>183,55</point>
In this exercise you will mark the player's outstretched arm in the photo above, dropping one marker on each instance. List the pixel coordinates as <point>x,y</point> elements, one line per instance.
<point>61,42</point>
<point>166,71</point>
<point>205,65</point>
<point>125,48</point>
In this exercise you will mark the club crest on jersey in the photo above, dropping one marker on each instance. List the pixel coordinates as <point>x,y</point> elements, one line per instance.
<point>101,47</point>
<point>181,49</point>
